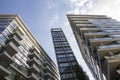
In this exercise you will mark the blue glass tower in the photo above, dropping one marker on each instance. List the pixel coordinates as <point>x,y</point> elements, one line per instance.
<point>67,63</point>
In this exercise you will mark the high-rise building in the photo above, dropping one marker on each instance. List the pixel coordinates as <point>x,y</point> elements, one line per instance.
<point>68,66</point>
<point>21,56</point>
<point>98,38</point>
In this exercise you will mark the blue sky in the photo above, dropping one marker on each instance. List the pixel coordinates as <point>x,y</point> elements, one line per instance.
<point>42,15</point>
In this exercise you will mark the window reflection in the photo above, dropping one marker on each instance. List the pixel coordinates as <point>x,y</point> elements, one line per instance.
<point>2,39</point>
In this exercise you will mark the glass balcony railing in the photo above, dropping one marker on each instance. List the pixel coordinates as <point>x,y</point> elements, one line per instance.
<point>89,28</point>
<point>113,57</point>
<point>95,33</point>
<point>85,25</point>
<point>102,33</point>
<point>115,36</point>
<point>100,39</point>
<point>110,46</point>
<point>103,28</point>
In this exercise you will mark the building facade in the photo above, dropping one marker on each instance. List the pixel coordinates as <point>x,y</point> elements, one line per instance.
<point>21,56</point>
<point>98,38</point>
<point>68,66</point>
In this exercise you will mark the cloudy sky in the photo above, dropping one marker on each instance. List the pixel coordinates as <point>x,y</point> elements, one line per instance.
<point>42,15</point>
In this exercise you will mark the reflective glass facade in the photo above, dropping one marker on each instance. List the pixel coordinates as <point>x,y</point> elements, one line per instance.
<point>98,39</point>
<point>68,66</point>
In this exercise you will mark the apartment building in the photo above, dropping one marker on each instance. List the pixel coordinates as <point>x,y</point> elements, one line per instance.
<point>21,56</point>
<point>98,38</point>
<point>68,66</point>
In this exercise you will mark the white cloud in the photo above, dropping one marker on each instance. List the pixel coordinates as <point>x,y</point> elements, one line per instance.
<point>73,1</point>
<point>53,21</point>
<point>106,7</point>
<point>50,4</point>
<point>80,6</point>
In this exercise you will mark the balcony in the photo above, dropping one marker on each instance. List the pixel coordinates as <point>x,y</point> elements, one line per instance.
<point>98,29</point>
<point>104,50</point>
<point>49,75</point>
<point>33,77</point>
<point>3,71</point>
<point>88,16</point>
<point>11,48</point>
<point>50,72</point>
<point>112,62</point>
<point>4,56</point>
<point>83,30</point>
<point>18,35</point>
<point>33,60</point>
<point>82,22</point>
<point>34,69</point>
<point>97,41</point>
<point>33,53</point>
<point>85,25</point>
<point>47,69</point>
<point>20,69</point>
<point>15,40</point>
<point>99,34</point>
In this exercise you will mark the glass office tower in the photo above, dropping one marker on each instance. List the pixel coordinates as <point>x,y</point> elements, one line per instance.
<point>21,56</point>
<point>98,38</point>
<point>68,66</point>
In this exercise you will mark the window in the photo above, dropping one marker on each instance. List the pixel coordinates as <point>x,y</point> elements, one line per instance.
<point>63,64</point>
<point>2,38</point>
<point>59,49</point>
<point>73,63</point>
<point>13,24</point>
<point>69,51</point>
<point>71,58</point>
<point>62,59</point>
<point>10,29</point>
<point>6,33</point>
<point>60,56</point>
<point>66,76</point>
<point>59,52</point>
<point>69,55</point>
